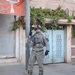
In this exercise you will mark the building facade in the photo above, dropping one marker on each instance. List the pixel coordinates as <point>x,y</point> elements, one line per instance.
<point>62,47</point>
<point>12,43</point>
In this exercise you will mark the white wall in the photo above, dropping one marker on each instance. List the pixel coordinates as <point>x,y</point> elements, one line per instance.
<point>20,45</point>
<point>68,44</point>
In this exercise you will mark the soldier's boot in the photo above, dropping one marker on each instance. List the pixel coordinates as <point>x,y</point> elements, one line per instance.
<point>40,72</point>
<point>29,73</point>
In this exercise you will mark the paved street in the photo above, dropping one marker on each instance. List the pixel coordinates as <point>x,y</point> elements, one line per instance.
<point>14,68</point>
<point>57,69</point>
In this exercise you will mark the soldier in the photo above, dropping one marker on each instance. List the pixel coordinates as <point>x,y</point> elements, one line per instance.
<point>37,42</point>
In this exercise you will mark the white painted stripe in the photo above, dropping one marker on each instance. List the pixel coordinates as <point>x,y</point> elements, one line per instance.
<point>72,46</point>
<point>72,56</point>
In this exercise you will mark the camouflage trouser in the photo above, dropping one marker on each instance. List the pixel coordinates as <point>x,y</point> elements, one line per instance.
<point>33,57</point>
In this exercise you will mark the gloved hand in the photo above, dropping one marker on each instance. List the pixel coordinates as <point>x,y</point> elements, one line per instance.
<point>46,53</point>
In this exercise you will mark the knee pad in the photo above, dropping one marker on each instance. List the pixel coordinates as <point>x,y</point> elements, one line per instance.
<point>29,71</point>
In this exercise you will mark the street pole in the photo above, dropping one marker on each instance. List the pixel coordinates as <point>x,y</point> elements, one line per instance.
<point>27,17</point>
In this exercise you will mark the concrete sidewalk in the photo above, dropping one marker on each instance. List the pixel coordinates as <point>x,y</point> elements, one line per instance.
<point>11,67</point>
<point>14,68</point>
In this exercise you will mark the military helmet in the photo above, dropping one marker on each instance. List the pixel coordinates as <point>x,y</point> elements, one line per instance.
<point>33,26</point>
<point>37,27</point>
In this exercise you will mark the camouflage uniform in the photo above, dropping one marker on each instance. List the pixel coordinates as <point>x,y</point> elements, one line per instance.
<point>37,42</point>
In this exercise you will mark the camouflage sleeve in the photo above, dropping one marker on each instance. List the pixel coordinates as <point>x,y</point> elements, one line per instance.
<point>46,43</point>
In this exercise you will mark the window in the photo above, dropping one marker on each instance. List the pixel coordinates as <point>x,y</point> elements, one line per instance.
<point>73,31</point>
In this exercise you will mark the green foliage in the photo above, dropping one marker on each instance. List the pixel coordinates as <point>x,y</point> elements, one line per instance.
<point>70,19</point>
<point>59,8</point>
<point>38,16</point>
<point>18,23</point>
<point>54,23</point>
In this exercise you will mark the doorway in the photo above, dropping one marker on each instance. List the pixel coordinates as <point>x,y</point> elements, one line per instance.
<point>56,43</point>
